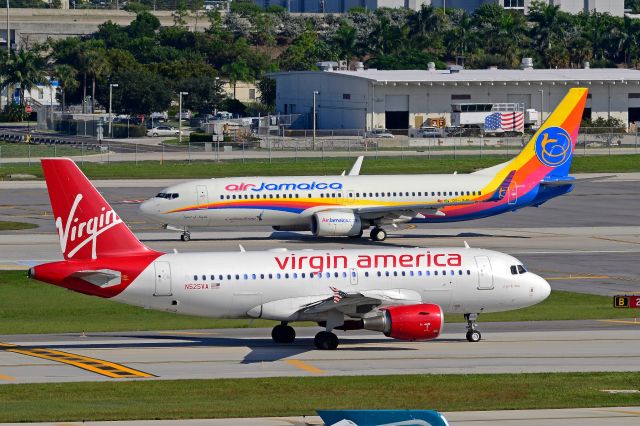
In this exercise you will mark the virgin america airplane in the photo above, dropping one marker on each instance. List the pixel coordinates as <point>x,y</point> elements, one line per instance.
<point>401,292</point>
<point>347,205</point>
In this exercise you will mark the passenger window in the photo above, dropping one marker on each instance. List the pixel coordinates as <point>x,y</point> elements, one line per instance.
<point>270,276</point>
<point>246,277</point>
<point>229,277</point>
<point>213,277</point>
<point>435,272</point>
<point>468,271</point>
<point>328,275</point>
<point>220,277</point>
<point>278,276</point>
<point>253,276</point>
<point>237,277</point>
<point>366,274</point>
<point>233,197</point>
<point>222,197</point>
<point>262,276</point>
<point>395,273</point>
<point>336,275</point>
<point>295,275</point>
<point>387,273</point>
<point>204,278</point>
<point>459,271</point>
<point>286,276</point>
<point>427,273</point>
<point>514,270</point>
<point>195,278</point>
<point>453,272</point>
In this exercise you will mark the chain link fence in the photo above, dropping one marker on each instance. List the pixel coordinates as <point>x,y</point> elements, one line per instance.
<point>275,143</point>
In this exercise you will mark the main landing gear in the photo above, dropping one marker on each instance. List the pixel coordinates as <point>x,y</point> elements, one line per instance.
<point>283,333</point>
<point>326,340</point>
<point>473,335</point>
<point>378,234</point>
<point>186,235</point>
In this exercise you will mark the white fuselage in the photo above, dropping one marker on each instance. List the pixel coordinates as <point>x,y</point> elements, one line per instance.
<point>292,201</point>
<point>277,284</point>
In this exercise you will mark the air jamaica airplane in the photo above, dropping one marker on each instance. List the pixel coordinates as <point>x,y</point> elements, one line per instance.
<point>347,205</point>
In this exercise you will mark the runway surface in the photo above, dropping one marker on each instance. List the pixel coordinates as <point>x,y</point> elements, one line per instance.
<point>587,241</point>
<point>558,346</point>
<point>612,416</point>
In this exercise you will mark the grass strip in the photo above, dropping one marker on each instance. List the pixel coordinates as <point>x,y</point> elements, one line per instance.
<point>317,166</point>
<point>17,150</point>
<point>15,226</point>
<point>183,399</point>
<point>29,306</point>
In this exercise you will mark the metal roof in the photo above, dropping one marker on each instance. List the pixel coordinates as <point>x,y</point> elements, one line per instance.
<point>488,76</point>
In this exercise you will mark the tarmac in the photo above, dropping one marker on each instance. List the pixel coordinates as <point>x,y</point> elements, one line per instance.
<point>597,416</point>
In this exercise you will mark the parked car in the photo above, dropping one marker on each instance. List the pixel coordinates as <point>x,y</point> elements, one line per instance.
<point>163,131</point>
<point>429,132</point>
<point>186,115</point>
<point>159,116</point>
<point>379,133</point>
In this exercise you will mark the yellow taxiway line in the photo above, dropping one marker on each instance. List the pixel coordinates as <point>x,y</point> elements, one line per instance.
<point>98,366</point>
<point>622,322</point>
<point>304,366</point>
<point>7,378</point>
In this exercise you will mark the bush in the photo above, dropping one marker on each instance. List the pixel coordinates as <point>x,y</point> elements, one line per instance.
<point>200,137</point>
<point>120,131</point>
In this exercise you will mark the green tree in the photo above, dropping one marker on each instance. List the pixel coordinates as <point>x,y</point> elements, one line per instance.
<point>345,40</point>
<point>267,87</point>
<point>141,91</point>
<point>205,93</point>
<point>237,71</point>
<point>67,80</point>
<point>305,52</point>
<point>26,69</point>
<point>97,66</point>
<point>196,8</point>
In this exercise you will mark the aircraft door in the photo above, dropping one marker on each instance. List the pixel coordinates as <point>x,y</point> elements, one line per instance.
<point>353,276</point>
<point>203,196</point>
<point>512,193</point>
<point>163,279</point>
<point>485,274</point>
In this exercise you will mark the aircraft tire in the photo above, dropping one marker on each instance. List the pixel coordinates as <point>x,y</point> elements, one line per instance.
<point>326,341</point>
<point>282,333</point>
<point>378,234</point>
<point>474,336</point>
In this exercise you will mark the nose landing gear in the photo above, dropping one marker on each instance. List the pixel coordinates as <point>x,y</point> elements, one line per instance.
<point>186,235</point>
<point>473,335</point>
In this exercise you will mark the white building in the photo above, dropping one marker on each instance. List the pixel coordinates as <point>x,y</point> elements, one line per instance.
<point>404,99</point>
<point>614,7</point>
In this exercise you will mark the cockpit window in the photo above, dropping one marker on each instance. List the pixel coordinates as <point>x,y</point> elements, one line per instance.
<point>168,196</point>
<point>521,269</point>
<point>514,270</point>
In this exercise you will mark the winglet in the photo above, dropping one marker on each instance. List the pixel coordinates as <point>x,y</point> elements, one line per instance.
<point>355,169</point>
<point>502,189</point>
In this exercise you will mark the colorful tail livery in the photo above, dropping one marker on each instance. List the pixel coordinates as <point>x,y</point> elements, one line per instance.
<point>550,151</point>
<point>87,226</point>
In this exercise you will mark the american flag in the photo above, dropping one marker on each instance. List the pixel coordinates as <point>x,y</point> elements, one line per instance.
<point>507,121</point>
<point>337,294</point>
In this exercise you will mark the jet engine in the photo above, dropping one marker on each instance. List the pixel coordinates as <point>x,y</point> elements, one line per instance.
<point>408,322</point>
<point>335,223</point>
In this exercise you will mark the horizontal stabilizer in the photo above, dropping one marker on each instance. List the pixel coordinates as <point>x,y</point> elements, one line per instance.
<point>569,180</point>
<point>100,278</point>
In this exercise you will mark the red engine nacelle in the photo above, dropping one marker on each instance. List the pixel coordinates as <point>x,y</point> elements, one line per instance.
<point>410,322</point>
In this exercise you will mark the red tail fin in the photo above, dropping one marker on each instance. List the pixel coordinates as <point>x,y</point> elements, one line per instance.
<point>87,226</point>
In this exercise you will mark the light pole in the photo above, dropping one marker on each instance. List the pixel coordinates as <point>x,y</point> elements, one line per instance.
<point>315,93</point>
<point>215,109</point>
<point>8,38</point>
<point>541,105</point>
<point>180,116</point>
<point>111,86</point>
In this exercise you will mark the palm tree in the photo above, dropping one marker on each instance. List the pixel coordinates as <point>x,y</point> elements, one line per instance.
<point>67,80</point>
<point>97,65</point>
<point>26,69</point>
<point>345,39</point>
<point>237,71</point>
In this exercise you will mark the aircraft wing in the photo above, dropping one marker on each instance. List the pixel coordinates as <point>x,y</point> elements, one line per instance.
<point>400,210</point>
<point>342,300</point>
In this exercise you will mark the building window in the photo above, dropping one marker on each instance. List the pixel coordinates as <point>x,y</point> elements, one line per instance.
<point>634,95</point>
<point>514,3</point>
<point>460,97</point>
<point>346,96</point>
<point>252,94</point>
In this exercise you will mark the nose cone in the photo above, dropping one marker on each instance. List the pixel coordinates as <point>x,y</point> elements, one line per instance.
<point>149,208</point>
<point>543,289</point>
